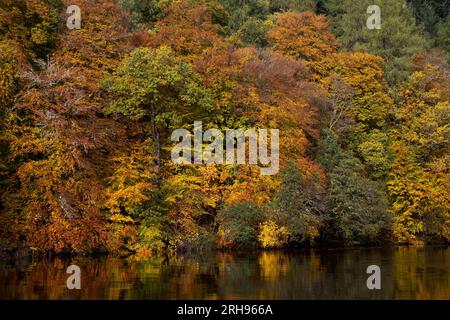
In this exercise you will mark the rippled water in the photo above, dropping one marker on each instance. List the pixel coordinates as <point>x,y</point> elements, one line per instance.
<point>406,273</point>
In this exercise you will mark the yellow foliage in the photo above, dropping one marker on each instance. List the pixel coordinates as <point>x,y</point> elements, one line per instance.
<point>271,235</point>
<point>120,218</point>
<point>130,184</point>
<point>9,74</point>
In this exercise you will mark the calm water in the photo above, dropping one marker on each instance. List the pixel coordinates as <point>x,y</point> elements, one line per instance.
<point>406,273</point>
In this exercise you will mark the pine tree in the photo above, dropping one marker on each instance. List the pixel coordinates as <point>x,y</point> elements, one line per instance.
<point>443,39</point>
<point>398,40</point>
<point>356,205</point>
<point>430,13</point>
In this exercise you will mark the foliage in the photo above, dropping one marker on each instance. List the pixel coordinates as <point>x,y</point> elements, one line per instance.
<point>443,37</point>
<point>356,205</point>
<point>239,225</point>
<point>297,206</point>
<point>396,42</point>
<point>188,28</point>
<point>144,11</point>
<point>306,36</point>
<point>33,23</point>
<point>272,236</point>
<point>430,13</point>
<point>86,118</point>
<point>56,154</point>
<point>418,181</point>
<point>154,86</point>
<point>242,10</point>
<point>294,5</point>
<point>9,74</point>
<point>253,31</point>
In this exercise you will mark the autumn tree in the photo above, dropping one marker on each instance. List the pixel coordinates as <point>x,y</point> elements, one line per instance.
<point>9,75</point>
<point>86,117</point>
<point>128,194</point>
<point>32,23</point>
<point>304,36</point>
<point>57,155</point>
<point>153,86</point>
<point>418,180</point>
<point>187,27</point>
<point>365,110</point>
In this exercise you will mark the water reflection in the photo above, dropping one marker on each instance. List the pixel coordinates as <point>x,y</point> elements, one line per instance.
<point>406,273</point>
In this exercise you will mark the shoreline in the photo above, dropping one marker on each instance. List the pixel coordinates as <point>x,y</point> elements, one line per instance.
<point>28,253</point>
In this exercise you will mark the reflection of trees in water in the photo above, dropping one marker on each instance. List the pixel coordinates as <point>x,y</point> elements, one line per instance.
<point>416,273</point>
<point>301,275</point>
<point>422,263</point>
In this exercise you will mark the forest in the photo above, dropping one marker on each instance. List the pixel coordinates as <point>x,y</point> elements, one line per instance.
<point>86,117</point>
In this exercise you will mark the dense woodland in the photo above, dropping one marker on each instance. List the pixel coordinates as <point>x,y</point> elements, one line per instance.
<point>86,117</point>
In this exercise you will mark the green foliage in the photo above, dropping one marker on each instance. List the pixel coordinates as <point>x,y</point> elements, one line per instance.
<point>294,5</point>
<point>154,81</point>
<point>374,151</point>
<point>142,12</point>
<point>297,206</point>
<point>430,13</point>
<point>356,205</point>
<point>443,37</point>
<point>241,10</point>
<point>398,40</point>
<point>239,224</point>
<point>154,86</point>
<point>253,31</point>
<point>330,153</point>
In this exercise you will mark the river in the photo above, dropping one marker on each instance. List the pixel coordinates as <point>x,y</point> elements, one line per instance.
<point>406,273</point>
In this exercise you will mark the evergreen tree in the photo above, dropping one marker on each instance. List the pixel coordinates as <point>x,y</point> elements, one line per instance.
<point>298,205</point>
<point>430,13</point>
<point>426,14</point>
<point>143,11</point>
<point>242,10</point>
<point>238,224</point>
<point>356,205</point>
<point>398,40</point>
<point>443,39</point>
